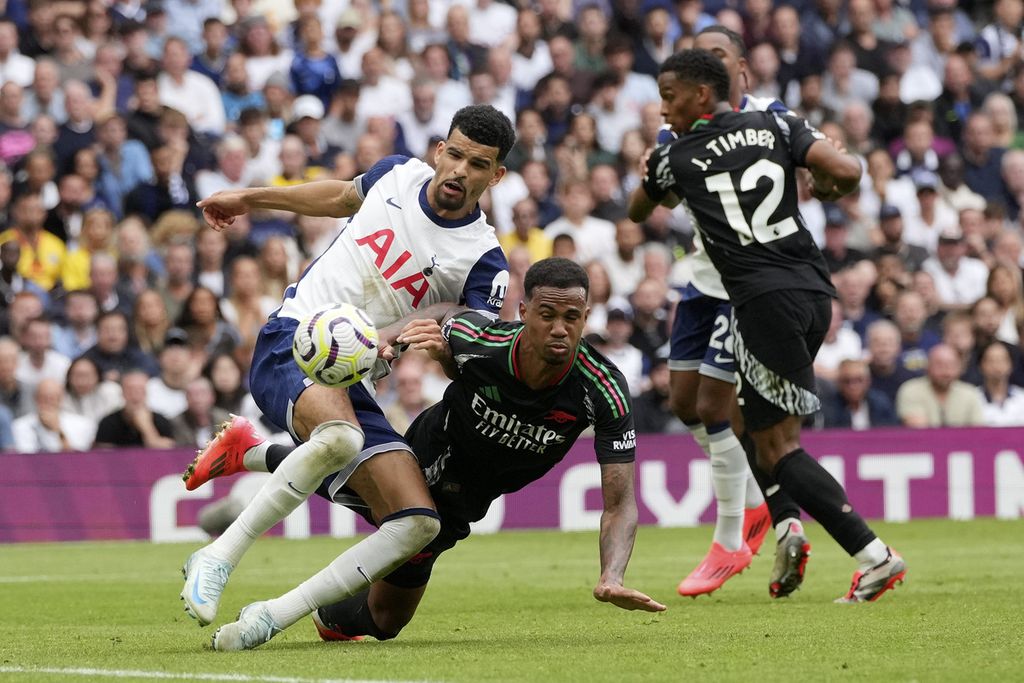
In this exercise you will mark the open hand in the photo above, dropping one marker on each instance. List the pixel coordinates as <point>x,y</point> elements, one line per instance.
<point>627,598</point>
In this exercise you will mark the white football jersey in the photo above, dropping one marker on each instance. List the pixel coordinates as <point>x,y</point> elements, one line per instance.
<point>396,255</point>
<point>704,275</point>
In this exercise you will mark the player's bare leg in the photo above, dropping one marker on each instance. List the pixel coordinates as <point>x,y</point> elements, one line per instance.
<point>817,492</point>
<point>382,611</point>
<point>393,486</point>
<point>325,420</point>
<point>704,404</point>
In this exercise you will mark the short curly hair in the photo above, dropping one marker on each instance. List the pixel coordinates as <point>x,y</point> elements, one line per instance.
<point>700,67</point>
<point>555,272</point>
<point>485,125</point>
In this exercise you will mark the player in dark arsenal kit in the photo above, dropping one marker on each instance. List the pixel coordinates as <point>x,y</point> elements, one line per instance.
<point>735,172</point>
<point>522,394</point>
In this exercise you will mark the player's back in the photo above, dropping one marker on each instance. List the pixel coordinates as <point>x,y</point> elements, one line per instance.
<point>396,254</point>
<point>736,174</point>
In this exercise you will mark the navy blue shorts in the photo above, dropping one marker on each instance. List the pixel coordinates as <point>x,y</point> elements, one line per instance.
<point>702,337</point>
<point>276,382</point>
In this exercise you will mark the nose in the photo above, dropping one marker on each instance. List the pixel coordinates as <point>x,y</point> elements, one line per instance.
<point>559,328</point>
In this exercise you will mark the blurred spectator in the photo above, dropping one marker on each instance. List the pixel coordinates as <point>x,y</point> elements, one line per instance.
<point>211,60</point>
<point>168,189</point>
<point>554,102</point>
<point>531,59</point>
<point>883,355</point>
<point>39,168</point>
<point>958,334</point>
<point>530,144</point>
<point>50,429</point>
<point>150,321</point>
<point>526,232</point>
<point>466,55</point>
<point>42,253</point>
<point>263,154</point>
<point>890,224</point>
<point>225,374</point>
<point>605,188</point>
<point>113,354</point>
<point>79,130</point>
<point>594,237</point>
<point>202,321</point>
<point>853,286</point>
<point>855,405</point>
<point>392,38</point>
<point>423,122</point>
<point>953,188</point>
<point>103,281</point>
<point>841,343</point>
<point>177,283</point>
<point>313,71</point>
<point>652,409</point>
<point>295,167</point>
<point>838,256</point>
<point>264,57</point>
<point>143,120</point>
<point>124,164</point>
<point>86,395</point>
<point>231,172</point>
<point>14,66</point>
<point>307,111</point>
<point>600,296</point>
<point>1002,403</point>
<point>655,44</point>
<point>352,39</point>
<point>983,159</point>
<point>843,82</point>
<point>1004,287</point>
<point>65,219</point>
<point>934,216</point>
<point>38,360</point>
<point>11,282</point>
<point>45,95</point>
<point>998,43</point>
<point>276,268</point>
<point>960,96</point>
<point>381,94</point>
<point>236,94</point>
<point>916,339</point>
<point>625,265</point>
<point>196,425</point>
<point>13,395</point>
<point>26,306</point>
<point>134,424</point>
<point>246,309</point>
<point>97,233</point>
<point>615,346</point>
<point>79,330</point>
<point>166,392</point>
<point>939,399</point>
<point>211,245</point>
<point>409,398</point>
<point>959,280</point>
<point>650,317</point>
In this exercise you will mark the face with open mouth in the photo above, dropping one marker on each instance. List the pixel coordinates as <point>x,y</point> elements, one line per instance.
<point>464,168</point>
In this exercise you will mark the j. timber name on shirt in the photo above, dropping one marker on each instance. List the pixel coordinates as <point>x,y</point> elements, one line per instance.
<point>750,137</point>
<point>510,431</point>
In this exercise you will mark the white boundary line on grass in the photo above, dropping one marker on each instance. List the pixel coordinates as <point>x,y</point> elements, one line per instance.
<point>168,675</point>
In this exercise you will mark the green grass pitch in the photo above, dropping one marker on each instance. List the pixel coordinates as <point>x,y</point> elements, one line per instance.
<point>517,607</point>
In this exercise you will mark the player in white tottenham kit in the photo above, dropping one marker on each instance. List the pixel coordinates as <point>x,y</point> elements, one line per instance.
<point>703,395</point>
<point>415,246</point>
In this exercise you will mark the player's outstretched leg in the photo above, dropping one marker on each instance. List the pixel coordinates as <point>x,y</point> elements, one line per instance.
<point>225,454</point>
<point>392,485</point>
<point>331,445</point>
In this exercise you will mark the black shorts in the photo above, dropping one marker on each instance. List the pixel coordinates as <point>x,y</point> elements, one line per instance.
<point>776,337</point>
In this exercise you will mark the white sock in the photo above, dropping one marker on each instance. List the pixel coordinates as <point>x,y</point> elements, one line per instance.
<point>782,528</point>
<point>729,477</point>
<point>374,557</point>
<point>255,459</point>
<point>872,554</point>
<point>753,498</point>
<point>331,446</point>
<point>700,435</point>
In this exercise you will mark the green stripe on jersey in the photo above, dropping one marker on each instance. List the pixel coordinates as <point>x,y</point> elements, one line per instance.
<point>606,372</point>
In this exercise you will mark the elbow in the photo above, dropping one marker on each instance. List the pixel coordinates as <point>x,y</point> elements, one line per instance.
<point>848,172</point>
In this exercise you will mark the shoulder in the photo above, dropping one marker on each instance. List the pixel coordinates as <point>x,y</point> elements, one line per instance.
<point>602,376</point>
<point>480,327</point>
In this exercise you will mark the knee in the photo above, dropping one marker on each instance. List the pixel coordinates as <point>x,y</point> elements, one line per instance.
<point>710,411</point>
<point>389,622</point>
<point>339,441</point>
<point>413,531</point>
<point>683,405</point>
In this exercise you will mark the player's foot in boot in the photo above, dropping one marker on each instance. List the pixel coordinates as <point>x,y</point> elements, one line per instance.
<point>254,627</point>
<point>717,567</point>
<point>205,578</point>
<point>756,523</point>
<point>791,553</point>
<point>868,586</point>
<point>224,454</point>
<point>328,631</point>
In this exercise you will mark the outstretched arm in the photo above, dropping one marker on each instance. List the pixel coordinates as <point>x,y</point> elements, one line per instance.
<point>336,198</point>
<point>618,530</point>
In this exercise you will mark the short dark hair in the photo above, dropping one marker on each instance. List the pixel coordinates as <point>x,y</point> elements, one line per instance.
<point>700,67</point>
<point>559,273</point>
<point>734,38</point>
<point>485,125</point>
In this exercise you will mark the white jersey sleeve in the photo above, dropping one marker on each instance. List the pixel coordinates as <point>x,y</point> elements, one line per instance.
<point>396,255</point>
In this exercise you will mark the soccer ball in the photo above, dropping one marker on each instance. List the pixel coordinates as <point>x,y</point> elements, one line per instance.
<point>336,346</point>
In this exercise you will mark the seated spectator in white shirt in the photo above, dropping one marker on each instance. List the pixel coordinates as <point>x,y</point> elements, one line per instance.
<point>196,425</point>
<point>594,237</point>
<point>841,343</point>
<point>959,279</point>
<point>50,429</point>
<point>38,360</point>
<point>1002,404</point>
<point>165,393</point>
<point>87,395</point>
<point>190,92</point>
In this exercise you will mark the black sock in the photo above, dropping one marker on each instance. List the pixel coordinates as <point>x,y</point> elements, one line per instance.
<point>816,491</point>
<point>780,505</point>
<point>352,617</point>
<point>276,455</point>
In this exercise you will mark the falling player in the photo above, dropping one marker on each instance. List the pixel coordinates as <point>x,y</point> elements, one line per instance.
<point>522,394</point>
<point>415,245</point>
<point>736,173</point>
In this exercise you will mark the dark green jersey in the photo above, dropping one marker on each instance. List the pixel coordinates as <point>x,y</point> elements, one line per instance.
<point>492,434</point>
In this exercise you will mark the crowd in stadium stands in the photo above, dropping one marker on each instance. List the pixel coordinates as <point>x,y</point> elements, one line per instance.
<point>126,321</point>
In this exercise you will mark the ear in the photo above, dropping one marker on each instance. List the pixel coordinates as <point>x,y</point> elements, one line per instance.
<point>438,151</point>
<point>498,175</point>
<point>522,310</point>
